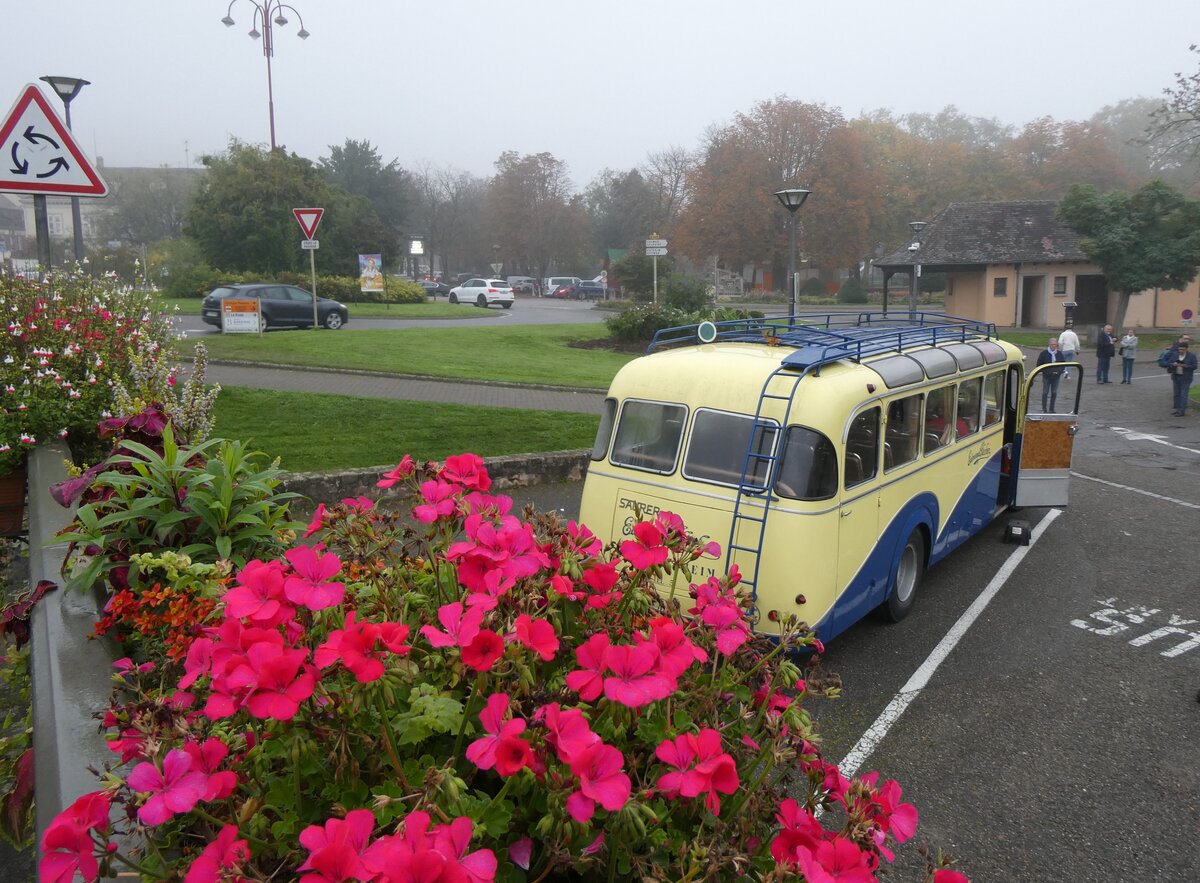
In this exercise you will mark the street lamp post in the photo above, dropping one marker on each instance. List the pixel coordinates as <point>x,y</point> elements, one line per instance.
<point>791,199</point>
<point>266,14</point>
<point>915,248</point>
<point>67,88</point>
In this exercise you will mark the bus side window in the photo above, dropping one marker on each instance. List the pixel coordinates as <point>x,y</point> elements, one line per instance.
<point>939,417</point>
<point>808,466</point>
<point>993,398</point>
<point>902,434</point>
<point>862,448</point>
<point>968,406</point>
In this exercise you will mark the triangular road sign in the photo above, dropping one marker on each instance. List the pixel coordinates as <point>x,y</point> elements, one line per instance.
<point>309,218</point>
<point>38,154</point>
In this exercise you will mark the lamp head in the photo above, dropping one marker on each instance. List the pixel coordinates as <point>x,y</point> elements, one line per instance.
<point>918,226</point>
<point>280,20</point>
<point>228,21</point>
<point>254,34</point>
<point>792,198</point>
<point>66,87</point>
<point>303,34</point>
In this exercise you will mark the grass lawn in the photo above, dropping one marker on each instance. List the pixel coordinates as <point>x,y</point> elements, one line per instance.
<point>1150,343</point>
<point>312,432</point>
<point>516,354</point>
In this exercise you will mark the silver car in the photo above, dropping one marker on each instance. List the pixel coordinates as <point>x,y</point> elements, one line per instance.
<point>483,293</point>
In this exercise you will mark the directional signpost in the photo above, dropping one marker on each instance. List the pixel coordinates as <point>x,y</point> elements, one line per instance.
<point>656,248</point>
<point>39,156</point>
<point>309,219</point>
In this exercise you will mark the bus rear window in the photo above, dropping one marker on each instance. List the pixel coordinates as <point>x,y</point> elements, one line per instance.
<point>604,433</point>
<point>648,436</point>
<point>718,447</point>
<point>808,469</point>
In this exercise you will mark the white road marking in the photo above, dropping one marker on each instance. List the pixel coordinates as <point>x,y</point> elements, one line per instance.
<point>1125,487</point>
<point>1134,435</point>
<point>911,690</point>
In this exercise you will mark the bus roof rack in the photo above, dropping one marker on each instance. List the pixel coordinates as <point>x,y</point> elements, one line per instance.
<point>816,339</point>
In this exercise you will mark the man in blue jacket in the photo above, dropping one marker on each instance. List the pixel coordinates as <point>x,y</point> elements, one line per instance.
<point>1181,365</point>
<point>1051,376</point>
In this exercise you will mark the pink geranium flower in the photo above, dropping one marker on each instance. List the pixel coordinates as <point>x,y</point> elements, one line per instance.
<point>600,578</point>
<point>207,759</point>
<point>588,679</point>
<point>358,505</point>
<point>482,752</point>
<point>538,635</point>
<point>176,789</point>
<point>646,549</point>
<point>219,859</point>
<point>676,652</point>
<point>700,767</point>
<point>836,861</point>
<point>336,849</point>
<point>494,557</point>
<point>801,832</point>
<point>467,470</point>
<point>568,732</point>
<point>441,501</point>
<point>483,651</point>
<point>258,595</point>
<point>401,472</point>
<point>281,681</point>
<point>311,586</point>
<point>318,521</point>
<point>601,780</point>
<point>67,850</point>
<point>355,647</point>
<point>636,678</point>
<point>460,627</point>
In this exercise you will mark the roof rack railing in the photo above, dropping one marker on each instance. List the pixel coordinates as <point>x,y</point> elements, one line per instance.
<point>833,335</point>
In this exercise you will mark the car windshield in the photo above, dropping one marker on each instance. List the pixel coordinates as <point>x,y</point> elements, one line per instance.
<point>496,283</point>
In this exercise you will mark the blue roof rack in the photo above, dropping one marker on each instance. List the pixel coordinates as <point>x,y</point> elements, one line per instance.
<point>815,339</point>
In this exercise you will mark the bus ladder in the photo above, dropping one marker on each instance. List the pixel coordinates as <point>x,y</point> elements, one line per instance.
<point>746,515</point>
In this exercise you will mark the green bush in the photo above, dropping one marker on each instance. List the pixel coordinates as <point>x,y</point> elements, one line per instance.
<point>639,324</point>
<point>813,287</point>
<point>684,293</point>
<point>852,292</point>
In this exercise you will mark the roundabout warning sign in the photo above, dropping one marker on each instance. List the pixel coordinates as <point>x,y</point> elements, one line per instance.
<point>38,154</point>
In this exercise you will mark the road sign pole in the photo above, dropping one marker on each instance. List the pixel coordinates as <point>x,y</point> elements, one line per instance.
<point>41,223</point>
<point>312,266</point>
<point>655,259</point>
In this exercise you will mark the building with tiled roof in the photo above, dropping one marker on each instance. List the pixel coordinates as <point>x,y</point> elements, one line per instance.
<point>1016,264</point>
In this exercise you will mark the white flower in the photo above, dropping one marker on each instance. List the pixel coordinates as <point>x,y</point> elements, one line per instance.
<point>8,360</point>
<point>4,449</point>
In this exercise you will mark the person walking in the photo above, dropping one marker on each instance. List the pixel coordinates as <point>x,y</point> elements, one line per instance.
<point>1128,352</point>
<point>1051,376</point>
<point>1182,368</point>
<point>1105,350</point>
<point>1068,345</point>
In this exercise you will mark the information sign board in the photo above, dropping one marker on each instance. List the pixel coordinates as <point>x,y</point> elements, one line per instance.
<point>239,316</point>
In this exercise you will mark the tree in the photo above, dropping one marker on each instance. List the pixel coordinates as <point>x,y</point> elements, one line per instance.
<point>145,206</point>
<point>242,214</point>
<point>357,168</point>
<point>445,212</point>
<point>622,208</point>
<point>1141,240</point>
<point>1176,125</point>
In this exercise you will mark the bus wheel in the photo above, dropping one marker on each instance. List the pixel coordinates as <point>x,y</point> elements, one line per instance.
<point>907,578</point>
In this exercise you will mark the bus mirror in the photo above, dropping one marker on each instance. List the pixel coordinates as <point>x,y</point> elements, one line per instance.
<point>707,332</point>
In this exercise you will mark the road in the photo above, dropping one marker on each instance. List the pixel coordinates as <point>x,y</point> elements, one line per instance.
<point>1059,738</point>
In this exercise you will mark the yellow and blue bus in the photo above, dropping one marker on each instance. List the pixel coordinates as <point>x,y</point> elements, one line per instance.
<point>834,457</point>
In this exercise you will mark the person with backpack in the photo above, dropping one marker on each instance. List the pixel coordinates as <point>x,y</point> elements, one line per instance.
<point>1181,365</point>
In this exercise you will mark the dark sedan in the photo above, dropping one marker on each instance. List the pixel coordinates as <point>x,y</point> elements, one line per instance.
<point>282,306</point>
<point>435,289</point>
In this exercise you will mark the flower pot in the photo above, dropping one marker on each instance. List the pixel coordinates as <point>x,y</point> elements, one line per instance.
<point>12,503</point>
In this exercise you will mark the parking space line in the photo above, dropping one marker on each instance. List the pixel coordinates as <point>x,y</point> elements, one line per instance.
<point>869,740</point>
<point>1125,487</point>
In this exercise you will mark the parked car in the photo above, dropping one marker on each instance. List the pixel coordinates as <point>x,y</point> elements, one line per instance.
<point>522,284</point>
<point>282,306</point>
<point>590,290</point>
<point>553,283</point>
<point>435,289</point>
<point>483,293</point>
<point>565,292</point>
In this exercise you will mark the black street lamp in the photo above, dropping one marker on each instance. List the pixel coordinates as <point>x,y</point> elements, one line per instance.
<point>915,248</point>
<point>266,13</point>
<point>67,88</point>
<point>791,199</point>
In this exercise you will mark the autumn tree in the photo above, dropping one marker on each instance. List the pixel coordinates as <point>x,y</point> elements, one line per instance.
<point>1175,128</point>
<point>1146,239</point>
<point>534,217</point>
<point>666,174</point>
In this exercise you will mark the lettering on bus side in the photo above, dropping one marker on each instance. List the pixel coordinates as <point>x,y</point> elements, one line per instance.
<point>981,454</point>
<point>641,511</point>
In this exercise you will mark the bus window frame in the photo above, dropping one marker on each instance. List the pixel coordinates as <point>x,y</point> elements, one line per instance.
<point>784,490</point>
<point>888,468</point>
<point>675,459</point>
<point>737,479</point>
<point>873,473</point>
<point>608,416</point>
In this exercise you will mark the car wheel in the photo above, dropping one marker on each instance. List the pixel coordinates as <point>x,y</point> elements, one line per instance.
<point>481,301</point>
<point>506,306</point>
<point>333,321</point>
<point>453,298</point>
<point>906,579</point>
<point>264,321</point>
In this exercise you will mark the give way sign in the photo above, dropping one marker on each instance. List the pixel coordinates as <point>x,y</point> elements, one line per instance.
<point>309,218</point>
<point>38,154</point>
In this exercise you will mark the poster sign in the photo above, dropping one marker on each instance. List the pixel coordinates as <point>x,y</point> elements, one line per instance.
<point>239,316</point>
<point>370,277</point>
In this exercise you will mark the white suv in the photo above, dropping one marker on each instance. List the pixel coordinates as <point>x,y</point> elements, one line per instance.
<point>483,293</point>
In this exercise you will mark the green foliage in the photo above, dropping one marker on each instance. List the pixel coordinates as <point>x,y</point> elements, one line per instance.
<point>636,273</point>
<point>638,324</point>
<point>208,501</point>
<point>188,273</point>
<point>17,826</point>
<point>852,292</point>
<point>684,292</point>
<point>813,287</point>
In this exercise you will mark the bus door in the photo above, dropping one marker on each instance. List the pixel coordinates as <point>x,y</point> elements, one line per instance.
<point>1049,420</point>
<point>858,528</point>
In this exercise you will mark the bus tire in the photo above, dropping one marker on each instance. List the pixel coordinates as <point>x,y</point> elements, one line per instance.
<point>910,567</point>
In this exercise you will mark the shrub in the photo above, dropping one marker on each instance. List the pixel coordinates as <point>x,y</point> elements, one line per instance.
<point>852,292</point>
<point>684,293</point>
<point>467,695</point>
<point>813,287</point>
<point>641,322</point>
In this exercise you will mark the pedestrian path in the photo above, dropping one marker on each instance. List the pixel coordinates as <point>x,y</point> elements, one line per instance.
<point>416,389</point>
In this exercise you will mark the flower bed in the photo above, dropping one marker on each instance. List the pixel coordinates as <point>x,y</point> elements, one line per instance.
<point>465,694</point>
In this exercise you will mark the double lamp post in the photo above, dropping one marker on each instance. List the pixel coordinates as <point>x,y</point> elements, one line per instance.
<point>67,88</point>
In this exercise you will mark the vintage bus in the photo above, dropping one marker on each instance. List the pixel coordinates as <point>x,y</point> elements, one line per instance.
<point>833,457</point>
